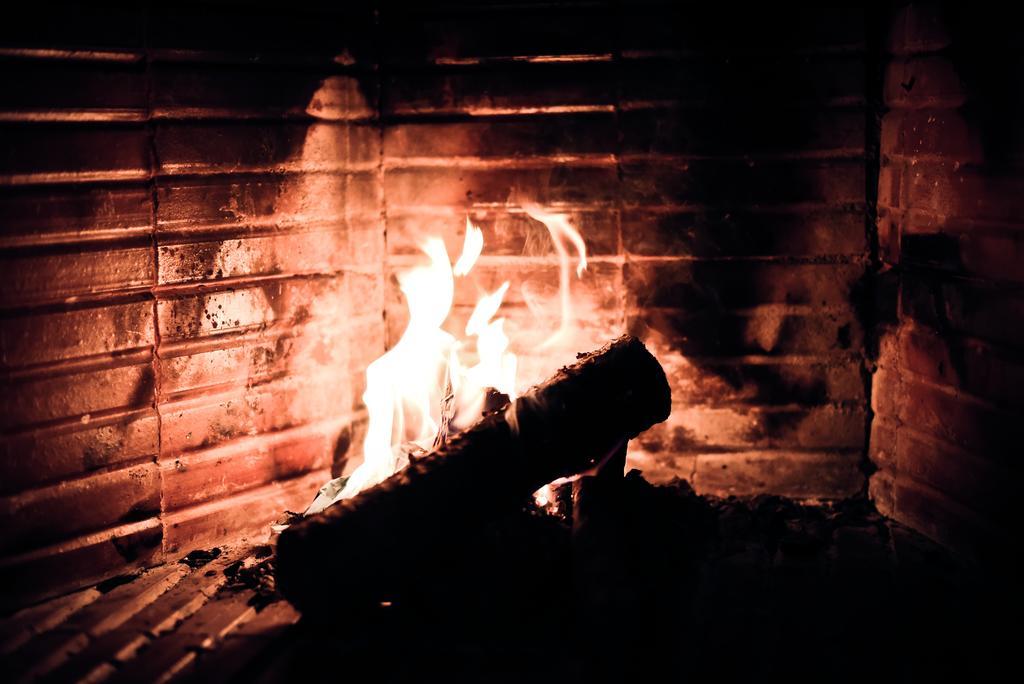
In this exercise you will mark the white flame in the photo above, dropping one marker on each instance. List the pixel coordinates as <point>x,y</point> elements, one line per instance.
<point>402,386</point>
<point>496,367</point>
<point>406,387</point>
<point>471,249</point>
<point>562,235</point>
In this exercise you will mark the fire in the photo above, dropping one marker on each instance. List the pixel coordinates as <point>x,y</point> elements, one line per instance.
<point>426,382</point>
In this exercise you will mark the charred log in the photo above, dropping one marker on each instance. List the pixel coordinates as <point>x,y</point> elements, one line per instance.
<point>364,546</point>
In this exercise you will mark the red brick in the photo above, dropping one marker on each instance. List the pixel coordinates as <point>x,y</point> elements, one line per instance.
<point>795,380</point>
<point>55,153</point>
<point>77,394</point>
<point>80,562</point>
<point>499,32</point>
<point>888,236</point>
<point>696,429</point>
<point>223,471</point>
<point>109,29</point>
<point>278,302</point>
<point>965,364</point>
<point>733,131</point>
<point>220,616</point>
<point>886,393</point>
<point>364,146</point>
<point>463,187</point>
<point>225,363</point>
<point>261,36</point>
<point>32,278</point>
<point>765,31</point>
<point>946,132</point>
<point>957,246</point>
<point>273,618</point>
<point>365,196</point>
<point>218,203</point>
<point>244,516</point>
<point>923,82</point>
<point>891,186</point>
<point>881,492</point>
<point>764,330</point>
<point>543,135</point>
<point>918,28</point>
<point>801,475</point>
<point>749,80</point>
<point>969,479</point>
<point>52,89</point>
<point>883,442</point>
<point>941,519</point>
<point>209,420</point>
<point>162,615</point>
<point>368,342</point>
<point>700,182</point>
<point>40,618</point>
<point>946,189</point>
<point>505,233</point>
<point>296,253</point>
<point>961,421</point>
<point>187,596</point>
<point>79,505</point>
<point>37,457</point>
<point>251,147</point>
<point>73,214</point>
<point>123,602</point>
<point>718,233</point>
<point>887,355</point>
<point>513,88</point>
<point>185,91</point>
<point>250,360</point>
<point>56,336</point>
<point>199,632</point>
<point>969,307</point>
<point>696,286</point>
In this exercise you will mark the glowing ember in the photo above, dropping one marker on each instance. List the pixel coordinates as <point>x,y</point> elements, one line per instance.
<point>412,387</point>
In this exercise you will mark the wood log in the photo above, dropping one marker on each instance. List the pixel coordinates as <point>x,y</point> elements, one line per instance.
<point>361,549</point>
<point>600,552</point>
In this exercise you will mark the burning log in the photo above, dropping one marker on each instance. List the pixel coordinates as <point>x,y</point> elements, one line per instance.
<point>365,545</point>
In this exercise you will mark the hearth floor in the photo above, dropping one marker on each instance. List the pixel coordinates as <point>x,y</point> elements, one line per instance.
<point>776,588</point>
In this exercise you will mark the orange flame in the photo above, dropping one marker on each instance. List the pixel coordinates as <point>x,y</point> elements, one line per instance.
<point>407,387</point>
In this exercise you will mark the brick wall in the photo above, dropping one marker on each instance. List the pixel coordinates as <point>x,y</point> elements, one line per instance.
<point>947,394</point>
<point>191,277</point>
<point>718,171</point>
<point>203,213</point>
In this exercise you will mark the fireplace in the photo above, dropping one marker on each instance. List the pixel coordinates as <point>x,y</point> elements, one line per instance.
<point>808,216</point>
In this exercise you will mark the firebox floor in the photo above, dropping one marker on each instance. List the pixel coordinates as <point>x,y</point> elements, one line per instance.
<point>725,588</point>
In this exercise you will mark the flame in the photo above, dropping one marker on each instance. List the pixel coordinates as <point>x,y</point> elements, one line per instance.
<point>402,387</point>
<point>497,367</point>
<point>428,380</point>
<point>562,235</point>
<point>471,249</point>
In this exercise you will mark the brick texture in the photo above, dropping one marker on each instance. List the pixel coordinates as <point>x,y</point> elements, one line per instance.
<point>947,395</point>
<point>191,250</point>
<point>201,231</point>
<point>720,186</point>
